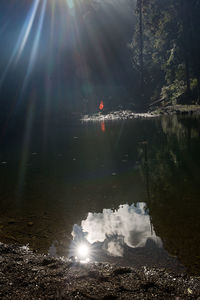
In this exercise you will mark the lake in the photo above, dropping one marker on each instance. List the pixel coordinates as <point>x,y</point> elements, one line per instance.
<point>128,190</point>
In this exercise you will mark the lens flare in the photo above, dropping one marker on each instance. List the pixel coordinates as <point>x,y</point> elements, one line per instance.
<point>83,251</point>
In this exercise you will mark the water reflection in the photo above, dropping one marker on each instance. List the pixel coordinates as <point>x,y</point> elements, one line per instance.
<point>174,189</point>
<point>128,225</point>
<point>81,169</point>
<point>114,230</point>
<point>103,126</point>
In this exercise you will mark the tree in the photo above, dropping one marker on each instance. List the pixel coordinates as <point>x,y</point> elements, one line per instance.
<point>166,47</point>
<point>141,55</point>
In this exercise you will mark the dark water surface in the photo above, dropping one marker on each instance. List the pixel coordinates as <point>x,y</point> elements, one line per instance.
<point>130,190</point>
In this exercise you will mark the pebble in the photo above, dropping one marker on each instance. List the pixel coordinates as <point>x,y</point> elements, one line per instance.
<point>30,224</point>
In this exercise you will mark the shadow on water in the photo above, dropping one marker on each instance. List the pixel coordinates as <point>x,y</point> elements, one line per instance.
<point>128,188</point>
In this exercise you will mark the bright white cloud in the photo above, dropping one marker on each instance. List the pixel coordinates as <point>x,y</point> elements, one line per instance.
<point>128,225</point>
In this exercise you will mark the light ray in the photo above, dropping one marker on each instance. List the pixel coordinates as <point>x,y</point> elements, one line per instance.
<point>27,28</point>
<point>35,45</point>
<point>39,30</point>
<point>21,42</point>
<point>70,3</point>
<point>26,145</point>
<point>4,27</point>
<point>52,19</point>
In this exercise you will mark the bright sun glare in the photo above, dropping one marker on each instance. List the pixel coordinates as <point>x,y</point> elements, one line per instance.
<point>83,251</point>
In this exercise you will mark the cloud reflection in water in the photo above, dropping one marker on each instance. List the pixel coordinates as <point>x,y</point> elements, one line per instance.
<point>130,225</point>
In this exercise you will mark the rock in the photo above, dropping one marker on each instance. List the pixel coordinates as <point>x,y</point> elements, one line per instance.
<point>30,223</point>
<point>11,221</point>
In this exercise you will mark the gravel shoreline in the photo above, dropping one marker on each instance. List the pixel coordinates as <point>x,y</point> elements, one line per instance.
<point>153,113</point>
<point>28,275</point>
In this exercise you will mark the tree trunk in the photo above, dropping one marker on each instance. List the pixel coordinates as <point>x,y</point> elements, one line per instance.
<point>187,74</point>
<point>187,41</point>
<point>141,56</point>
<point>198,89</point>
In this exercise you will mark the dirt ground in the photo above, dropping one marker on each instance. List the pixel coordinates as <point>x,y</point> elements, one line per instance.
<point>28,275</point>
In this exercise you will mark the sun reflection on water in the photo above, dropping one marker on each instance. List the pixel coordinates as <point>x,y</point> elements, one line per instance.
<point>83,252</point>
<point>112,232</point>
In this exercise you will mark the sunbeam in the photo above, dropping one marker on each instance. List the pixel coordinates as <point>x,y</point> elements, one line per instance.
<point>27,28</point>
<point>22,40</point>
<point>70,3</point>
<point>35,45</point>
<point>26,145</point>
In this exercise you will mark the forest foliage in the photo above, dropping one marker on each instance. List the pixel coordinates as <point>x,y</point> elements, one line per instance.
<point>171,50</point>
<point>162,36</point>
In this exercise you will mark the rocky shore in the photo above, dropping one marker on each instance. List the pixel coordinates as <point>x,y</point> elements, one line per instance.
<point>28,275</point>
<point>152,113</point>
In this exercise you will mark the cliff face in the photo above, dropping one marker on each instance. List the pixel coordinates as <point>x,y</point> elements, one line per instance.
<point>27,275</point>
